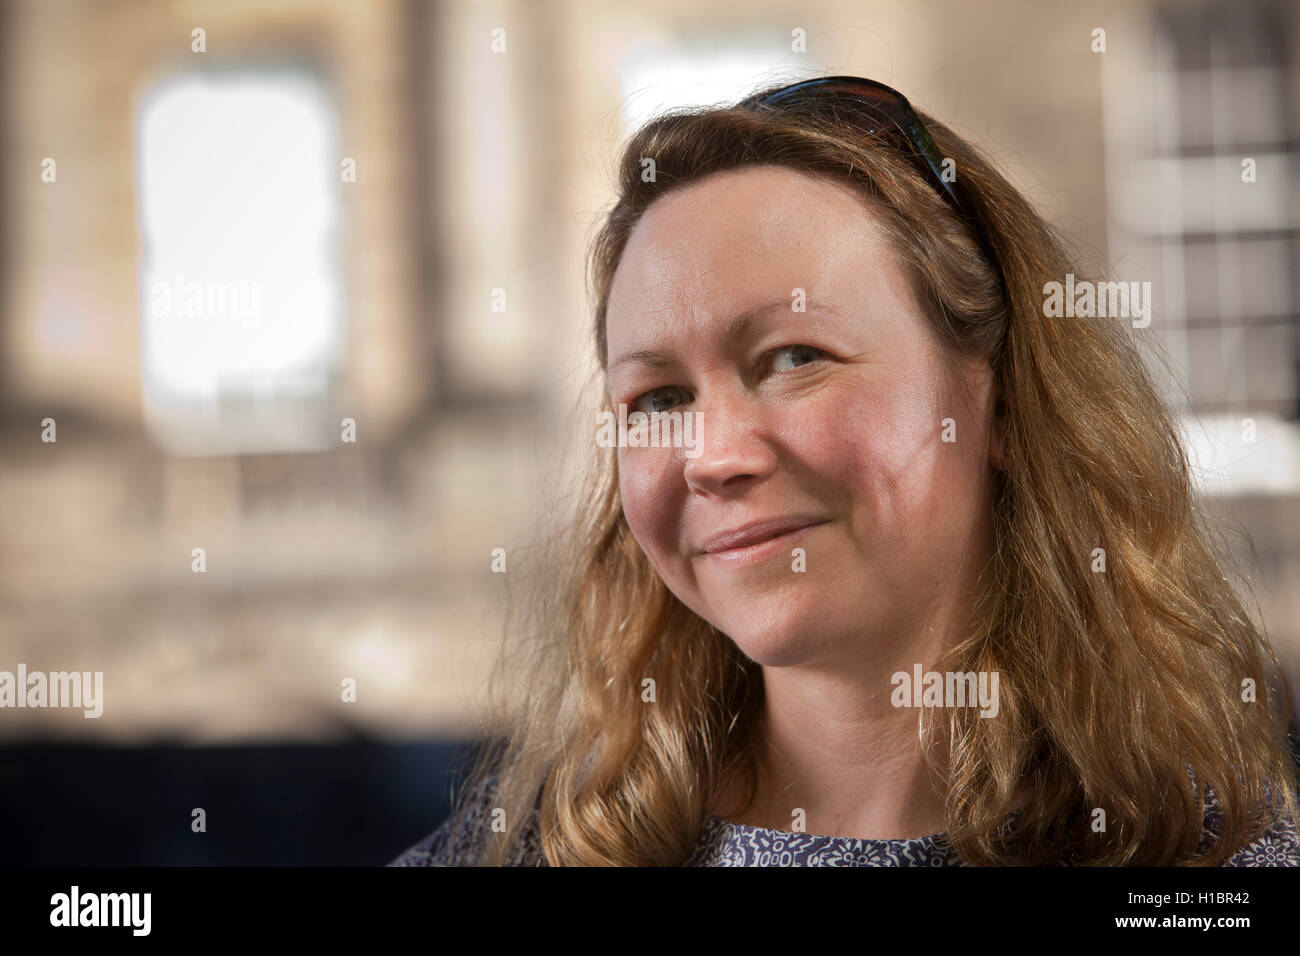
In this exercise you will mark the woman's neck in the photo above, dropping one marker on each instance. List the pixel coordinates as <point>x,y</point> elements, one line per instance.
<point>854,771</point>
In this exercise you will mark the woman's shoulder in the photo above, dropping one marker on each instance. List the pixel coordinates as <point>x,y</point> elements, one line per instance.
<point>1279,845</point>
<point>460,840</point>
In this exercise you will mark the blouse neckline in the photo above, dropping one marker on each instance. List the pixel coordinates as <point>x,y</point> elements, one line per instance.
<point>720,823</point>
<point>716,822</point>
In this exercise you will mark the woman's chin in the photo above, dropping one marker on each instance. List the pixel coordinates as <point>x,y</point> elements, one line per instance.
<point>777,646</point>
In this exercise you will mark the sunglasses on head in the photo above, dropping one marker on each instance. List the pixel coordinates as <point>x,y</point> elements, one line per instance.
<point>876,110</point>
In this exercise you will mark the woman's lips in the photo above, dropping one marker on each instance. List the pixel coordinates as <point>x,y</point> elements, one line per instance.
<point>757,544</point>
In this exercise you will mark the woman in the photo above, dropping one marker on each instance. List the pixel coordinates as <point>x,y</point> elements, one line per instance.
<point>930,588</point>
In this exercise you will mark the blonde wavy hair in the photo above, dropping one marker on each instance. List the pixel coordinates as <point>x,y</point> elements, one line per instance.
<point>1120,691</point>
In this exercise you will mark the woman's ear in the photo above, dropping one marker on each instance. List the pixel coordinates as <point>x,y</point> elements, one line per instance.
<point>996,459</point>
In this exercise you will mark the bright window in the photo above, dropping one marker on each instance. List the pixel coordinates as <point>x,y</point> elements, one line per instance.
<point>240,294</point>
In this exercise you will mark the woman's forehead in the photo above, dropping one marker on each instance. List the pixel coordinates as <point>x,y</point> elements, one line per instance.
<point>702,254</point>
<point>764,209</point>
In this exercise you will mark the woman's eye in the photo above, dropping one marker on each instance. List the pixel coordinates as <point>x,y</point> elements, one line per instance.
<point>799,355</point>
<point>663,399</point>
<point>658,400</point>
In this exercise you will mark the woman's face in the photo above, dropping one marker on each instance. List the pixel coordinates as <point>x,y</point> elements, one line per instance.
<point>828,422</point>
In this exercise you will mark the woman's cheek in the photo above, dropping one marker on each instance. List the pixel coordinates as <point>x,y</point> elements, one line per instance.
<point>847,434</point>
<point>650,503</point>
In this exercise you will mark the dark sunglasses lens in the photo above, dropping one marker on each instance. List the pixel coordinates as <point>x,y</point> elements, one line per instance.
<point>874,109</point>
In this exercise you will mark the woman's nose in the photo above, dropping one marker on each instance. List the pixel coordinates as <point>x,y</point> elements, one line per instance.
<point>732,450</point>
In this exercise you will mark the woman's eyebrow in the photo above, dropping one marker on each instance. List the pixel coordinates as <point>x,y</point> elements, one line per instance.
<point>735,328</point>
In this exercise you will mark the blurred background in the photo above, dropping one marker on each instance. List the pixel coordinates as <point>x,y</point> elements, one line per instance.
<point>301,284</point>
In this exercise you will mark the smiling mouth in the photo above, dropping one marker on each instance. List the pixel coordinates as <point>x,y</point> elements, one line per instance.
<point>758,541</point>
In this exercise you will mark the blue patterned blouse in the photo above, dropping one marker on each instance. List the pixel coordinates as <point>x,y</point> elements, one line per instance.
<point>723,843</point>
